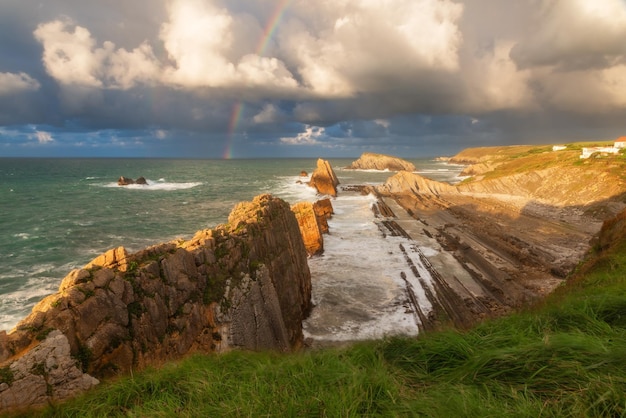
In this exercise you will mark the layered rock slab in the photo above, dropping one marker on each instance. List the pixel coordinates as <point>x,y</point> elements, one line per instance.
<point>372,161</point>
<point>243,284</point>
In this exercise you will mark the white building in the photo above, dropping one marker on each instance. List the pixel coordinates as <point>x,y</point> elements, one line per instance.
<point>620,142</point>
<point>588,152</point>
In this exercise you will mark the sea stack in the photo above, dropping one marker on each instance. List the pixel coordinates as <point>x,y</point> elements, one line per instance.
<point>324,178</point>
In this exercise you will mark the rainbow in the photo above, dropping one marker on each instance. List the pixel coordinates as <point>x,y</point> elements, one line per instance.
<point>239,106</point>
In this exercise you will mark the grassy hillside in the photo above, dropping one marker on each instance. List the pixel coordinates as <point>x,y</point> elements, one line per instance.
<point>564,358</point>
<point>494,162</point>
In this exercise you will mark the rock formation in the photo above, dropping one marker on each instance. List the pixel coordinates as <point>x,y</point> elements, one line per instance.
<point>244,284</point>
<point>323,212</point>
<point>324,178</point>
<point>405,182</point>
<point>309,227</point>
<point>313,222</point>
<point>371,161</point>
<point>125,181</point>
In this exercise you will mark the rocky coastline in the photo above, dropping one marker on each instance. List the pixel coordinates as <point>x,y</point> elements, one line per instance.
<point>499,244</point>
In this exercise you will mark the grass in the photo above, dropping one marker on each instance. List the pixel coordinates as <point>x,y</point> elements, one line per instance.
<point>566,357</point>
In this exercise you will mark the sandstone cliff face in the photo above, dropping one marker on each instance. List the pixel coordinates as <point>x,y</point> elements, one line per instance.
<point>371,161</point>
<point>245,284</point>
<point>324,178</point>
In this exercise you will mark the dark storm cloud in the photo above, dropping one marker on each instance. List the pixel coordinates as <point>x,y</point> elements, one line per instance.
<point>197,76</point>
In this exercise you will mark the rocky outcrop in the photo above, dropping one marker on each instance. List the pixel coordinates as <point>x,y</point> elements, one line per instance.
<point>125,181</point>
<point>313,222</point>
<point>323,212</point>
<point>371,161</point>
<point>49,367</point>
<point>411,183</point>
<point>243,284</point>
<point>324,179</point>
<point>558,186</point>
<point>309,227</point>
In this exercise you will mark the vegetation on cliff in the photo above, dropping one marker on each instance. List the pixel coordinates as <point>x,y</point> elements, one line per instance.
<point>564,358</point>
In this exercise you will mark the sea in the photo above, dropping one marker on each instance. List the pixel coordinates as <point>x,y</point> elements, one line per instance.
<point>58,214</point>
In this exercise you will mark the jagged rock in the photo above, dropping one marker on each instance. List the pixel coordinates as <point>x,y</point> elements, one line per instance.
<point>323,211</point>
<point>324,179</point>
<point>46,372</point>
<point>304,174</point>
<point>126,311</point>
<point>372,161</point>
<point>309,227</point>
<point>125,181</point>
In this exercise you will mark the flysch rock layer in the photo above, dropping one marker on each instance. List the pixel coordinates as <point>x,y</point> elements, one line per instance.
<point>372,161</point>
<point>324,179</point>
<point>243,284</point>
<point>496,244</point>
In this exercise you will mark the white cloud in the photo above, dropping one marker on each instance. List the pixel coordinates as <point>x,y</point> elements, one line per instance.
<point>72,58</point>
<point>196,37</point>
<point>310,136</point>
<point>43,137</point>
<point>11,83</point>
<point>342,47</point>
<point>574,33</point>
<point>496,82</point>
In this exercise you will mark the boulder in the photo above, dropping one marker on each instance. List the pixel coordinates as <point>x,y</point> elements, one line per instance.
<point>371,161</point>
<point>141,180</point>
<point>304,174</point>
<point>324,179</point>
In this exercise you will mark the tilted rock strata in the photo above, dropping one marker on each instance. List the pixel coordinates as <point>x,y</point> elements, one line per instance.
<point>244,284</point>
<point>313,222</point>
<point>324,179</point>
<point>323,212</point>
<point>411,183</point>
<point>372,161</point>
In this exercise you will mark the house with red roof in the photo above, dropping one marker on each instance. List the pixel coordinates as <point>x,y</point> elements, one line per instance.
<point>620,142</point>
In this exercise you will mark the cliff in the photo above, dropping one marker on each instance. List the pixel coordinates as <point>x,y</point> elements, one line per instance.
<point>324,179</point>
<point>243,284</point>
<point>371,161</point>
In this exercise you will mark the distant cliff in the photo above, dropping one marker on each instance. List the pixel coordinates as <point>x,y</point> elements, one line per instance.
<point>243,284</point>
<point>527,172</point>
<point>371,161</point>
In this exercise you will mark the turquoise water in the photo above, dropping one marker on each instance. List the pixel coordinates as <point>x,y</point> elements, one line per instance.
<point>58,214</point>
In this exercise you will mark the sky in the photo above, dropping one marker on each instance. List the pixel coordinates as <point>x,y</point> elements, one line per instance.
<point>307,78</point>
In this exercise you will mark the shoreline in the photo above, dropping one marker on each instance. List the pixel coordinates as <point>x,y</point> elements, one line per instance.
<point>493,256</point>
